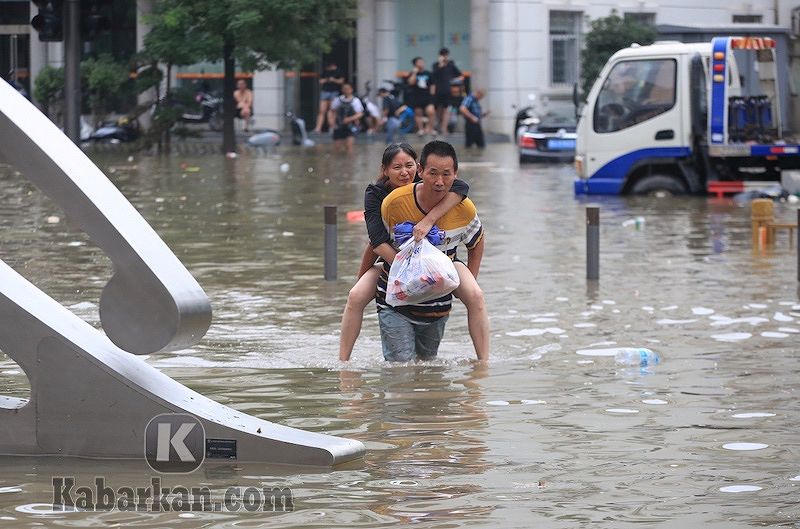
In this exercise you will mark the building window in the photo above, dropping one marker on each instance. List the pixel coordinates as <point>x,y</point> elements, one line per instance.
<point>645,19</point>
<point>748,19</point>
<point>565,45</point>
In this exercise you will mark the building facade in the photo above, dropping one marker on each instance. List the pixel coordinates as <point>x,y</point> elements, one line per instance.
<point>521,49</point>
<point>518,50</point>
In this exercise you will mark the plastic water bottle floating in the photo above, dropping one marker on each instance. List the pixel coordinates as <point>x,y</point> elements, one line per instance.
<point>636,356</point>
<point>637,222</point>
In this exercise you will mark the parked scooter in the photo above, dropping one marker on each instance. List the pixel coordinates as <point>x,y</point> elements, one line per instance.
<point>120,131</point>
<point>270,138</point>
<point>299,132</point>
<point>209,111</point>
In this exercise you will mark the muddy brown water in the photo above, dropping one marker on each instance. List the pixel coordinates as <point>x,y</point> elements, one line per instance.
<point>551,433</point>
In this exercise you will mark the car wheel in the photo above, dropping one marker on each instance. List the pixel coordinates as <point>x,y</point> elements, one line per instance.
<point>659,186</point>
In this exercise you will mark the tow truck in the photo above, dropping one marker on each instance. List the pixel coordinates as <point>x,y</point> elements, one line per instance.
<point>674,118</point>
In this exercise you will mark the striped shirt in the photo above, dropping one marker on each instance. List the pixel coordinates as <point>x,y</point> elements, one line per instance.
<point>461,225</point>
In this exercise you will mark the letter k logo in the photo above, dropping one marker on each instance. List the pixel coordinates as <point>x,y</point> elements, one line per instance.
<point>177,442</point>
<point>174,443</point>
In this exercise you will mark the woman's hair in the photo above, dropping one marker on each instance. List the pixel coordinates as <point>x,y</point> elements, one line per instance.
<point>388,155</point>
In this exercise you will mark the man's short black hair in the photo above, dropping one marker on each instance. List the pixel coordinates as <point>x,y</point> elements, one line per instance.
<point>438,148</point>
<point>415,59</point>
<point>444,51</point>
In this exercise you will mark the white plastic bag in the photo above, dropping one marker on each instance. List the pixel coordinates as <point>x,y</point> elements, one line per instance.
<point>420,272</point>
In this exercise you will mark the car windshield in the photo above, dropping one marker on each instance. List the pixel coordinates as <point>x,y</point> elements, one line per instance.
<point>564,116</point>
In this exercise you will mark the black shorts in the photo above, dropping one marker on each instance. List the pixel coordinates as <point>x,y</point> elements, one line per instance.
<point>343,132</point>
<point>442,99</point>
<point>422,100</point>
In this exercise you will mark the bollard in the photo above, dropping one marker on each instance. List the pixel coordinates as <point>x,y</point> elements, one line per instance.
<point>330,243</point>
<point>798,245</point>
<point>762,213</point>
<point>593,242</point>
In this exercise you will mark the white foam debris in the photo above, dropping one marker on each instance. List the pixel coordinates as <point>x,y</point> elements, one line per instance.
<point>744,446</point>
<point>536,332</point>
<point>622,410</point>
<point>752,415</point>
<point>724,320</point>
<point>702,311</point>
<point>790,330</point>
<point>740,488</point>
<point>669,307</point>
<point>667,321</point>
<point>780,316</point>
<point>772,334</point>
<point>731,336</point>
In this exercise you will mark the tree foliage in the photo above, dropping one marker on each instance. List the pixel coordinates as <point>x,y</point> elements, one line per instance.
<point>607,36</point>
<point>104,79</point>
<point>49,87</point>
<point>256,34</point>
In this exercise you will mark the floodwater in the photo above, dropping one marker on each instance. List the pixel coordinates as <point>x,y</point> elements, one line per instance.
<point>551,433</point>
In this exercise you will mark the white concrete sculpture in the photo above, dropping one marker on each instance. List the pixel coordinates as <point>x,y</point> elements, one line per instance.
<point>90,396</point>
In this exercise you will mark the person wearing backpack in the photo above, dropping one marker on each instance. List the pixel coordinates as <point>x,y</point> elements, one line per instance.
<point>344,118</point>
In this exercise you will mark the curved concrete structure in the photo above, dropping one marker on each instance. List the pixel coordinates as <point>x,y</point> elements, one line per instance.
<point>89,396</point>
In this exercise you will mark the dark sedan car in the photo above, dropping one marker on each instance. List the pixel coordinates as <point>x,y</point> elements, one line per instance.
<point>551,138</point>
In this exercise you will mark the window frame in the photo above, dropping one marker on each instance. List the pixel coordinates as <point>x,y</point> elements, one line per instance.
<point>575,36</point>
<point>596,110</point>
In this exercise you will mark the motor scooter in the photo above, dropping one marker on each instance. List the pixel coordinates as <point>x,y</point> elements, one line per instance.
<point>120,131</point>
<point>210,111</point>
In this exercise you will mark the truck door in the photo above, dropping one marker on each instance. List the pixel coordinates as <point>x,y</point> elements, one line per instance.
<point>636,116</point>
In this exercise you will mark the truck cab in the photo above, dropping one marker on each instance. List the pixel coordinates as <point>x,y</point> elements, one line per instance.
<point>660,120</point>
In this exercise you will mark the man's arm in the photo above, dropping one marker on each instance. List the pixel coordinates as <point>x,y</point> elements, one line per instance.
<point>422,227</point>
<point>474,257</point>
<point>467,114</point>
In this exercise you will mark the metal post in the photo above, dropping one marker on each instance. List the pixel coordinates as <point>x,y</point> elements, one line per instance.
<point>72,75</point>
<point>798,245</point>
<point>330,243</point>
<point>593,242</point>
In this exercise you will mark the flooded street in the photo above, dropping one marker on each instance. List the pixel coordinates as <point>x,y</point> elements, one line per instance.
<point>551,433</point>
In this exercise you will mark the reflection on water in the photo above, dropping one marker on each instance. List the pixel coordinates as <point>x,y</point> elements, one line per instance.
<point>541,435</point>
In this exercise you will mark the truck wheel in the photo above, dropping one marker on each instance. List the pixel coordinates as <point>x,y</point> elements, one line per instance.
<point>659,186</point>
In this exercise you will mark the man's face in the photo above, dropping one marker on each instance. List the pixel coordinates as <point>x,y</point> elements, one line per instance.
<point>347,90</point>
<point>420,64</point>
<point>241,85</point>
<point>438,174</point>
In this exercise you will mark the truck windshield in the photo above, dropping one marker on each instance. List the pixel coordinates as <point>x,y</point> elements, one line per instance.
<point>633,92</point>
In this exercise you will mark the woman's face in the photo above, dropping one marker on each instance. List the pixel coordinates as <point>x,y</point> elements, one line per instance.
<point>401,170</point>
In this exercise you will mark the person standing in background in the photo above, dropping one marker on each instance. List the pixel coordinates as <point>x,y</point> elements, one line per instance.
<point>343,118</point>
<point>473,114</point>
<point>419,80</point>
<point>244,102</point>
<point>445,72</point>
<point>331,81</point>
